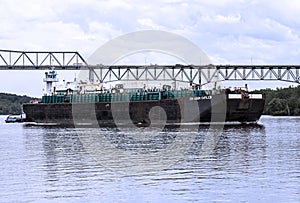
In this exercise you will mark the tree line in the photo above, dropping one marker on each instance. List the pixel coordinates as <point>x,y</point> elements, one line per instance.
<point>282,101</point>
<point>12,103</point>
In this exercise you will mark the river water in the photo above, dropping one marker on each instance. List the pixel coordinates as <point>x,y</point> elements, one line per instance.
<point>254,163</point>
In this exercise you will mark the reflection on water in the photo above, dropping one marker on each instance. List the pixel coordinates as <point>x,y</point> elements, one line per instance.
<point>251,163</point>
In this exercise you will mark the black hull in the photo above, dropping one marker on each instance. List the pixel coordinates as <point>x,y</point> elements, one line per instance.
<point>172,111</point>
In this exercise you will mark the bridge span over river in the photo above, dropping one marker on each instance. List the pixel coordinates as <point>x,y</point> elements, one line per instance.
<point>193,74</point>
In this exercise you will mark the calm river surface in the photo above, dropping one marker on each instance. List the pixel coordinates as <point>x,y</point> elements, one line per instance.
<point>246,164</point>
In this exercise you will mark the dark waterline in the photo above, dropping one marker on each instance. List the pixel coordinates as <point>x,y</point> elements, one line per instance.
<point>248,164</point>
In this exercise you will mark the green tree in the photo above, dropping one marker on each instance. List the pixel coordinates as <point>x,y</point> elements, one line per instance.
<point>277,107</point>
<point>12,104</point>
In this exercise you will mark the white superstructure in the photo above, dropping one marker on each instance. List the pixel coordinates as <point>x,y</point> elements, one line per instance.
<point>50,78</point>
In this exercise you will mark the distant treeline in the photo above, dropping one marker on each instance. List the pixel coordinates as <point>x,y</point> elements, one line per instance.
<point>282,101</point>
<point>12,104</point>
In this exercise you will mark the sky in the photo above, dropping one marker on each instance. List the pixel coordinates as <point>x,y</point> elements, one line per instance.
<point>228,31</point>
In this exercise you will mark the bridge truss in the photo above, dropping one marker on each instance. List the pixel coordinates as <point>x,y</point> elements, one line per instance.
<point>40,60</point>
<point>193,74</point>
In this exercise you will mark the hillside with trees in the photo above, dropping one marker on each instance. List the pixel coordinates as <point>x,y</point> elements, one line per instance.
<point>12,103</point>
<point>282,101</point>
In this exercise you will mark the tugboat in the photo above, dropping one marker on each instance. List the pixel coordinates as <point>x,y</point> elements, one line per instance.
<point>93,104</point>
<point>15,118</point>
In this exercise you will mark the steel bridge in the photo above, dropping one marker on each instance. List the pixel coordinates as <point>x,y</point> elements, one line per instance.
<point>40,60</point>
<point>193,74</point>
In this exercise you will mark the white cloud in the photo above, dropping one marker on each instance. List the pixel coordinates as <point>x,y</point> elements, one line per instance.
<point>228,19</point>
<point>147,22</point>
<point>276,28</point>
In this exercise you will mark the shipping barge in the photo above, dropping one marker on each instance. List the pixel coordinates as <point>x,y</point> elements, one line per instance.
<point>141,106</point>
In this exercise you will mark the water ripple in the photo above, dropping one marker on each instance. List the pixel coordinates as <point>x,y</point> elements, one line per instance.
<point>249,163</point>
